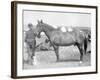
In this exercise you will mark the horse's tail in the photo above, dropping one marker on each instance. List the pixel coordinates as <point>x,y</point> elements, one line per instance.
<point>85,44</point>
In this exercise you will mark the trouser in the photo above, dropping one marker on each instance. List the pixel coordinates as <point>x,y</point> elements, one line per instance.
<point>32,48</point>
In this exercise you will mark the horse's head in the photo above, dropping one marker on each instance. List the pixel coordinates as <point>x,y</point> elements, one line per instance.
<point>39,28</point>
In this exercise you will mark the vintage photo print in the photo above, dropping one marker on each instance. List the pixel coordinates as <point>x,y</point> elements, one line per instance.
<point>63,36</point>
<point>55,39</point>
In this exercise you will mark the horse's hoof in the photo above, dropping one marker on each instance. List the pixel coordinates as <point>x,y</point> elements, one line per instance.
<point>80,62</point>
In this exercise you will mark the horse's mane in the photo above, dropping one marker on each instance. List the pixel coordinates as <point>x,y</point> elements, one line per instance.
<point>49,26</point>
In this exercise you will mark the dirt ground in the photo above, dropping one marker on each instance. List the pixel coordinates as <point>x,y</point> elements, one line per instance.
<point>69,57</point>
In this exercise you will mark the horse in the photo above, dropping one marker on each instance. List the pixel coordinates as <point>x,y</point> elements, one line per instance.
<point>58,38</point>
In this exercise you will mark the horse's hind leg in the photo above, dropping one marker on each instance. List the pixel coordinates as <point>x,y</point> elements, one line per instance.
<point>81,51</point>
<point>85,45</point>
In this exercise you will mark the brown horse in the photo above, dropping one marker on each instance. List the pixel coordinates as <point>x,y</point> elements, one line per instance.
<point>58,38</point>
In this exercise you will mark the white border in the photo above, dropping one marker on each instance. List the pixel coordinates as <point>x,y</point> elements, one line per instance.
<point>21,72</point>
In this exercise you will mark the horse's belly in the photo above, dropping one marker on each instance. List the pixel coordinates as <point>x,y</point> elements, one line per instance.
<point>67,43</point>
<point>64,42</point>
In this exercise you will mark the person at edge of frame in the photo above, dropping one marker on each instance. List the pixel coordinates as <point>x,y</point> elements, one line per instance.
<point>30,39</point>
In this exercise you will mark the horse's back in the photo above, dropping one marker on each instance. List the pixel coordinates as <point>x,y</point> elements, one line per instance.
<point>62,38</point>
<point>73,35</point>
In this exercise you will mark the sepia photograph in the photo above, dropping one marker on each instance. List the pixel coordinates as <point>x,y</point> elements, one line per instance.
<point>56,39</point>
<point>53,39</point>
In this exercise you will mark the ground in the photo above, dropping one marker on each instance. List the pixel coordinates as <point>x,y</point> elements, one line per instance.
<point>69,57</point>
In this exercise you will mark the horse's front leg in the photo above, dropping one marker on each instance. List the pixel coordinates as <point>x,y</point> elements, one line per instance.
<point>56,48</point>
<point>81,55</point>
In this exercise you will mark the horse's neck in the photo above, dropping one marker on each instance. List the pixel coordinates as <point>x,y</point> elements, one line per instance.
<point>49,27</point>
<point>47,31</point>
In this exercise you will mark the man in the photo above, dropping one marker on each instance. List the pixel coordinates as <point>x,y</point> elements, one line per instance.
<point>31,42</point>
